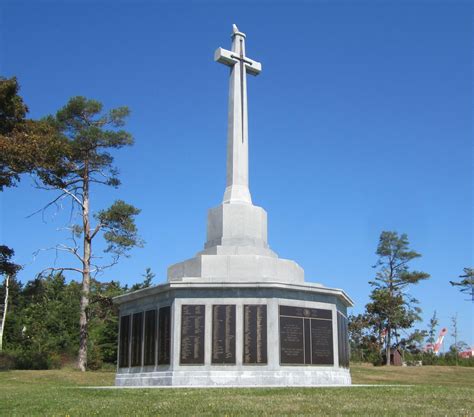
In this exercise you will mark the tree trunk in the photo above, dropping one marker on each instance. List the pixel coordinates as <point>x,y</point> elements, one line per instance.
<point>389,321</point>
<point>5,307</point>
<point>387,349</point>
<point>86,264</point>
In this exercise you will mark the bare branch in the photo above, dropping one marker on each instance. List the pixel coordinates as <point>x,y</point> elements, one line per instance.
<point>74,251</point>
<point>47,205</point>
<point>80,271</point>
<point>72,195</point>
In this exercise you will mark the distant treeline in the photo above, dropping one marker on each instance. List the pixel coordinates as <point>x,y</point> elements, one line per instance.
<point>412,357</point>
<point>42,324</point>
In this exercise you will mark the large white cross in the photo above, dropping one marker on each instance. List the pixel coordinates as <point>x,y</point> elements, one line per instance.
<point>237,190</point>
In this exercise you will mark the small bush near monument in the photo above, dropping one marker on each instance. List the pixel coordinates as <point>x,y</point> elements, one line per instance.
<point>7,361</point>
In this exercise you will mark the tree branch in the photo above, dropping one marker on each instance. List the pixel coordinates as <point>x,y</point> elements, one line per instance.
<point>96,230</point>
<point>47,205</point>
<point>80,271</point>
<point>70,250</point>
<point>81,204</point>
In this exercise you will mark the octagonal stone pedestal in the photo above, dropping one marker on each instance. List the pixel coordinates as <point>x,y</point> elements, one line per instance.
<point>194,345</point>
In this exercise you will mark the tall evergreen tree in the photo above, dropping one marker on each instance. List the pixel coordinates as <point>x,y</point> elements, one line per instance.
<point>432,328</point>
<point>147,280</point>
<point>391,306</point>
<point>88,135</point>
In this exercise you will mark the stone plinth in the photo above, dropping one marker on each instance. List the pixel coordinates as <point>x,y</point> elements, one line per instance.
<point>237,225</point>
<point>237,249</point>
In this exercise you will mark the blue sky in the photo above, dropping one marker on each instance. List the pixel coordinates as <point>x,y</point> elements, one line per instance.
<point>361,121</point>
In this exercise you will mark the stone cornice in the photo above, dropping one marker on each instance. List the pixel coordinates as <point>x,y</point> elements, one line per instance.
<point>177,286</point>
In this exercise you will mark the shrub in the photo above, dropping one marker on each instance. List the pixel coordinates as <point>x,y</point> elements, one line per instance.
<point>94,358</point>
<point>375,358</point>
<point>54,361</point>
<point>31,359</point>
<point>7,361</point>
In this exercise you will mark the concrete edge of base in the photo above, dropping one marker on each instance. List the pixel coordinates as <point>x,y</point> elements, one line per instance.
<point>251,378</point>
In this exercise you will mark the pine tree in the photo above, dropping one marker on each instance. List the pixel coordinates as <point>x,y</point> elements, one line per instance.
<point>432,327</point>
<point>391,307</point>
<point>88,135</point>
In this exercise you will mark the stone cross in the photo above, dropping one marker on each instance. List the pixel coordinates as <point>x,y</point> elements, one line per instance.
<point>237,186</point>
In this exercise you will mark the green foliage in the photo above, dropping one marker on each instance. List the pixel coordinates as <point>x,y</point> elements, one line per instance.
<point>147,280</point>
<point>94,357</point>
<point>364,345</point>
<point>7,361</point>
<point>7,267</point>
<point>12,108</point>
<point>414,342</point>
<point>394,256</point>
<point>148,277</point>
<point>42,329</point>
<point>467,283</point>
<point>432,328</point>
<point>88,135</point>
<point>118,224</point>
<point>68,152</point>
<point>450,358</point>
<point>103,322</point>
<point>391,309</point>
<point>25,145</point>
<point>13,327</point>
<point>50,319</point>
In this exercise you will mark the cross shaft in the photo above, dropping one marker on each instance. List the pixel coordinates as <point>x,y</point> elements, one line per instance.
<point>237,144</point>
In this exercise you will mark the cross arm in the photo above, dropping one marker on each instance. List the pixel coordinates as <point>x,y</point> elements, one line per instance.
<point>224,57</point>
<point>230,58</point>
<point>253,67</point>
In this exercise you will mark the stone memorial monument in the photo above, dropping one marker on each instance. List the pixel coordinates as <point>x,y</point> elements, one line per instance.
<point>235,314</point>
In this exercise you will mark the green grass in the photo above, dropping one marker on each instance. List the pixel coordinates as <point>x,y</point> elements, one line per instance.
<point>436,390</point>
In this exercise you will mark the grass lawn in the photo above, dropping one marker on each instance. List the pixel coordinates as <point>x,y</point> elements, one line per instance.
<point>437,391</point>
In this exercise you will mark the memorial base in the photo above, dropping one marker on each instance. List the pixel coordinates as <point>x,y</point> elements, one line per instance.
<point>233,334</point>
<point>284,377</point>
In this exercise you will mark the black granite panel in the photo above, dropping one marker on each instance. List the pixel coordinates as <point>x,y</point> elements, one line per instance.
<point>291,341</point>
<point>124,345</point>
<point>223,334</point>
<point>137,338</point>
<point>150,338</point>
<point>306,336</point>
<point>322,342</point>
<point>192,334</point>
<point>307,341</point>
<point>255,334</point>
<point>164,336</point>
<point>343,343</point>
